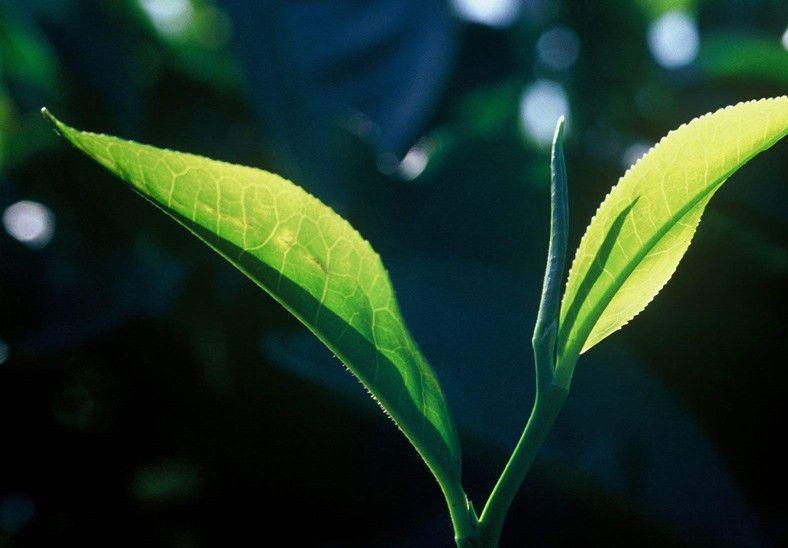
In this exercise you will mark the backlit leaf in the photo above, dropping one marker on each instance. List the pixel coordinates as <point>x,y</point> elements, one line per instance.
<point>644,226</point>
<point>307,258</point>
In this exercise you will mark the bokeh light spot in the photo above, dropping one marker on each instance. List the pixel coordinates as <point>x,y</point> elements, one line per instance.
<point>30,222</point>
<point>541,104</point>
<point>416,160</point>
<point>785,40</point>
<point>634,152</point>
<point>673,39</point>
<point>493,13</point>
<point>558,48</point>
<point>171,18</point>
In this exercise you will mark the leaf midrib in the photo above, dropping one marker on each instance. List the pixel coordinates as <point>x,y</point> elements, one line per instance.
<point>631,265</point>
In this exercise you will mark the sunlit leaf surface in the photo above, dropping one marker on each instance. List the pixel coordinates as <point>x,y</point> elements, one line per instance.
<point>307,258</point>
<point>644,226</point>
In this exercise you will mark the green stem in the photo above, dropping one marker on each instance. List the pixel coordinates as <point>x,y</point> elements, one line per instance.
<point>551,391</point>
<point>546,408</point>
<point>463,517</point>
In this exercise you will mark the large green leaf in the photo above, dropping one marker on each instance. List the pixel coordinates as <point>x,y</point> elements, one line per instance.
<point>310,260</point>
<point>644,226</point>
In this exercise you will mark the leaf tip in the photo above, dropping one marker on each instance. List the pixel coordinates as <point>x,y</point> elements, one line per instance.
<point>56,124</point>
<point>559,129</point>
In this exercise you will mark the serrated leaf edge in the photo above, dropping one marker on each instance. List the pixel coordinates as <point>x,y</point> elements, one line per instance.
<point>632,167</point>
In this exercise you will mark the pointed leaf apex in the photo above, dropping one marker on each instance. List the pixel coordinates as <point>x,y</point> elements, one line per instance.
<point>559,128</point>
<point>56,124</point>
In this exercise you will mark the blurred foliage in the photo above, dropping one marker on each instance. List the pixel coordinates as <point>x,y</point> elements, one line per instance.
<point>757,59</point>
<point>409,120</point>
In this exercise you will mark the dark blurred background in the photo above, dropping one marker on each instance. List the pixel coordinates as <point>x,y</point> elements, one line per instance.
<point>151,395</point>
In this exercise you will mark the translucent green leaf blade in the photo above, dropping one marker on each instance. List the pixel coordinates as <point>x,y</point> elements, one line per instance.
<point>307,258</point>
<point>644,226</point>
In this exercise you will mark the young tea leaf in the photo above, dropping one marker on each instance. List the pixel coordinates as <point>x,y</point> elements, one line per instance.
<point>643,228</point>
<point>546,328</point>
<point>311,261</point>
